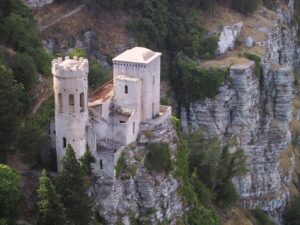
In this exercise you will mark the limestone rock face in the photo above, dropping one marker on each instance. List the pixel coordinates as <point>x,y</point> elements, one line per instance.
<point>228,37</point>
<point>38,3</point>
<point>249,42</point>
<point>256,111</point>
<point>136,193</point>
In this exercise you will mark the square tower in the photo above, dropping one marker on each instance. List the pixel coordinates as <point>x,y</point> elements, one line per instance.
<point>144,64</point>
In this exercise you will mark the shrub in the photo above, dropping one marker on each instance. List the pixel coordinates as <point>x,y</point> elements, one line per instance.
<point>257,69</point>
<point>261,217</point>
<point>292,215</point>
<point>158,158</point>
<point>246,6</point>
<point>120,165</point>
<point>269,3</point>
<point>78,52</point>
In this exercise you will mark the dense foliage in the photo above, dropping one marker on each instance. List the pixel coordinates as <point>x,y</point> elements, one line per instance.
<point>158,158</point>
<point>195,83</point>
<point>72,188</point>
<point>23,57</point>
<point>216,166</point>
<point>10,194</point>
<point>32,139</point>
<point>11,107</point>
<point>200,213</point>
<point>50,208</point>
<point>86,161</point>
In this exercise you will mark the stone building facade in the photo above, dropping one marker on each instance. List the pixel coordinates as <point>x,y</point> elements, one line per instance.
<point>109,118</point>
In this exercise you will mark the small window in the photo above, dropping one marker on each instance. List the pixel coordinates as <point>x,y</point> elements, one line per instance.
<point>101,164</point>
<point>121,121</point>
<point>126,89</point>
<point>81,102</point>
<point>64,142</point>
<point>133,127</point>
<point>60,103</point>
<point>71,103</point>
<point>153,80</point>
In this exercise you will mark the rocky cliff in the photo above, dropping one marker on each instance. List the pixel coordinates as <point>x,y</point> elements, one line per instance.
<point>136,193</point>
<point>256,110</point>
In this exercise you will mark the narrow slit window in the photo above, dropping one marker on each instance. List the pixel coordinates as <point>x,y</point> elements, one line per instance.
<point>60,103</point>
<point>122,121</point>
<point>64,142</point>
<point>71,104</point>
<point>133,127</point>
<point>81,102</point>
<point>153,80</point>
<point>101,164</point>
<point>126,89</point>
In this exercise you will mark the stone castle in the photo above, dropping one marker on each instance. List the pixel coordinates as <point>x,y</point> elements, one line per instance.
<point>112,116</point>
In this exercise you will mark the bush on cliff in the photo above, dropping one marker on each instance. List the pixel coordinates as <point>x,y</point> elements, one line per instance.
<point>158,158</point>
<point>246,6</point>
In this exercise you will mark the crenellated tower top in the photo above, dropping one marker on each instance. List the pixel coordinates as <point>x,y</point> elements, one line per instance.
<point>70,68</point>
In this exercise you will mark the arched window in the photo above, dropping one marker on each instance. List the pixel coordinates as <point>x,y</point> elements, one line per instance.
<point>126,89</point>
<point>60,103</point>
<point>71,104</point>
<point>81,97</point>
<point>64,142</point>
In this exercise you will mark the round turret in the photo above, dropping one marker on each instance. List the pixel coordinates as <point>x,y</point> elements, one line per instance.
<point>71,101</point>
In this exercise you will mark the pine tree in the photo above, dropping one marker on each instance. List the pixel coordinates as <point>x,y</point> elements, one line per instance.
<point>50,208</point>
<point>72,187</point>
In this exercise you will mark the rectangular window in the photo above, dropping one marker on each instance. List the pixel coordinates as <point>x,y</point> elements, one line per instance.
<point>64,142</point>
<point>60,103</point>
<point>101,164</point>
<point>81,102</point>
<point>133,127</point>
<point>71,104</point>
<point>121,121</point>
<point>126,89</point>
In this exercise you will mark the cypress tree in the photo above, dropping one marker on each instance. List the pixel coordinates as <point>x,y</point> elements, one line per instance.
<point>50,208</point>
<point>73,189</point>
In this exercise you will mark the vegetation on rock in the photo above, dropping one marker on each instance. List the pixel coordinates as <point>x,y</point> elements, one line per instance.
<point>10,194</point>
<point>158,158</point>
<point>50,208</point>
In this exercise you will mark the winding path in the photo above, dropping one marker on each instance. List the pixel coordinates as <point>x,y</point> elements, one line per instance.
<point>60,18</point>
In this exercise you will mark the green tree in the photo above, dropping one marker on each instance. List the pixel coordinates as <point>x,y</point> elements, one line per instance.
<point>10,193</point>
<point>11,107</point>
<point>50,208</point>
<point>86,161</point>
<point>72,188</point>
<point>20,33</point>
<point>97,74</point>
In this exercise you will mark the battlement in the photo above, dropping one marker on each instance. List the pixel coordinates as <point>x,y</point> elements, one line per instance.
<point>70,68</point>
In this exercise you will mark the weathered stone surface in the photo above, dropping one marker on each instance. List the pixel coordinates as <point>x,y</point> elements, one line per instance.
<point>257,111</point>
<point>228,37</point>
<point>249,42</point>
<point>151,197</point>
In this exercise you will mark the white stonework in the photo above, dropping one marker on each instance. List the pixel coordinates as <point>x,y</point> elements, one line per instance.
<point>110,117</point>
<point>228,37</point>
